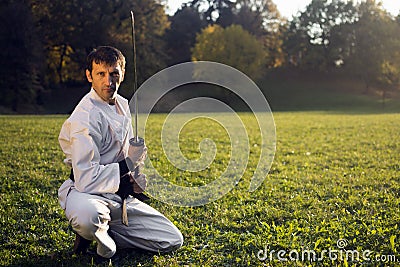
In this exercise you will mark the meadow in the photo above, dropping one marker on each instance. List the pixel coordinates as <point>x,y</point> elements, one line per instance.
<point>334,186</point>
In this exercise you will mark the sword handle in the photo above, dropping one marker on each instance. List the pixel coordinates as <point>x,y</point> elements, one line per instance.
<point>136,141</point>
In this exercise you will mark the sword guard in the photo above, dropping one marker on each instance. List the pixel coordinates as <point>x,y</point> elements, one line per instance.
<point>138,142</point>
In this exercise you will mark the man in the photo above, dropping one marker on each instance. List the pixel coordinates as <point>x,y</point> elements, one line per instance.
<point>95,140</point>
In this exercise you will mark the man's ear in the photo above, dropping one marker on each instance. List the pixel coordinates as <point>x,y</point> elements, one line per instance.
<point>123,76</point>
<point>89,76</point>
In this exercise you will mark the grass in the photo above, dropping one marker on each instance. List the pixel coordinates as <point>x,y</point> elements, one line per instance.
<point>334,176</point>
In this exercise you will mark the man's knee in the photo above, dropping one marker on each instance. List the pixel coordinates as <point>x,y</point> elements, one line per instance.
<point>174,242</point>
<point>87,221</point>
<point>83,226</point>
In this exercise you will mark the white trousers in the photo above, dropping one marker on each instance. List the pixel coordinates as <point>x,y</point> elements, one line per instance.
<point>98,217</point>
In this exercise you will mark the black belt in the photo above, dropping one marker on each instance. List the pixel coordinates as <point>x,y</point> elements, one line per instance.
<point>142,197</point>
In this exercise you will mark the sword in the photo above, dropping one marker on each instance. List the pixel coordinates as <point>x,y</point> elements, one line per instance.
<point>135,141</point>
<point>135,100</point>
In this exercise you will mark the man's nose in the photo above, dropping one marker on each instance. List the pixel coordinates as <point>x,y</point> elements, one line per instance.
<point>108,79</point>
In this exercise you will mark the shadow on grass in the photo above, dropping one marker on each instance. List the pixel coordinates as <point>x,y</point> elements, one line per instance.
<point>123,257</point>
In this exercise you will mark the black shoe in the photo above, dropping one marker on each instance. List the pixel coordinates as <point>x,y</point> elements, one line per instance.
<point>81,244</point>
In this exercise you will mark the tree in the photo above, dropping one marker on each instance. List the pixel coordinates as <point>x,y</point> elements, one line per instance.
<point>375,45</point>
<point>73,28</point>
<point>259,17</point>
<point>215,10</point>
<point>309,35</point>
<point>21,57</point>
<point>389,78</point>
<point>151,23</point>
<point>232,46</point>
<point>263,20</point>
<point>70,29</point>
<point>181,36</point>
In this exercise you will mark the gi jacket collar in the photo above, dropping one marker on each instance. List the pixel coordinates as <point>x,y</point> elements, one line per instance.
<point>119,123</point>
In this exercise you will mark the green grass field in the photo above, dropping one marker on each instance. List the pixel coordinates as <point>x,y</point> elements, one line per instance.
<point>335,177</point>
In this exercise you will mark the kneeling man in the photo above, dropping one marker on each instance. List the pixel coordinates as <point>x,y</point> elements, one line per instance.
<point>95,140</point>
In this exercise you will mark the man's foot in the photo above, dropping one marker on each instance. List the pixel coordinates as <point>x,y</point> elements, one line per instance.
<point>81,244</point>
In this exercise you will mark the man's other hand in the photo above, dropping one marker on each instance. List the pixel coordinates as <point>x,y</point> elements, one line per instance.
<point>139,183</point>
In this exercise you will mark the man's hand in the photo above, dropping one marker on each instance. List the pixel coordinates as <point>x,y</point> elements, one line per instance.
<point>136,155</point>
<point>139,183</point>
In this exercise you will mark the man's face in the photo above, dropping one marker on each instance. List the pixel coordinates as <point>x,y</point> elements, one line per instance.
<point>105,80</point>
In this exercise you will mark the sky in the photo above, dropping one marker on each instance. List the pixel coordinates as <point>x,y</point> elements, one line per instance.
<point>288,8</point>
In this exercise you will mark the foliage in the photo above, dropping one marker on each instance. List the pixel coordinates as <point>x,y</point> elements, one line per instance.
<point>355,38</point>
<point>372,46</point>
<point>390,74</point>
<point>20,54</point>
<point>215,11</point>
<point>232,46</point>
<point>334,176</point>
<point>310,32</point>
<point>261,18</point>
<point>88,24</point>
<point>389,79</point>
<point>181,36</point>
<point>257,17</point>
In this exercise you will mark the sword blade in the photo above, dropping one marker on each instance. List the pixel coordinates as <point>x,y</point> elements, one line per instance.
<point>135,99</point>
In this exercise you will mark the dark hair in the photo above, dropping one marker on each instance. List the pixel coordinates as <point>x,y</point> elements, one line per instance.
<point>105,54</point>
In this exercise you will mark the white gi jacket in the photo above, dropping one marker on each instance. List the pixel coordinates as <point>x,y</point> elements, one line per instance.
<point>94,139</point>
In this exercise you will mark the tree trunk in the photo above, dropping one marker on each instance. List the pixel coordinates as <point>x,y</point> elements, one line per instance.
<point>63,49</point>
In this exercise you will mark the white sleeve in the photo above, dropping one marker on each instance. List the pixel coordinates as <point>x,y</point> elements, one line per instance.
<point>90,176</point>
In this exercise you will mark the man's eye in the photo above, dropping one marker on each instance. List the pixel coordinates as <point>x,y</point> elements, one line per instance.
<point>115,74</point>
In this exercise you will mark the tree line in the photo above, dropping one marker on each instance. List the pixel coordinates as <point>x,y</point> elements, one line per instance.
<point>44,43</point>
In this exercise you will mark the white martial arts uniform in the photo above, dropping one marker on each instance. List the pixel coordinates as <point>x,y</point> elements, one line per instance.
<point>94,139</point>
